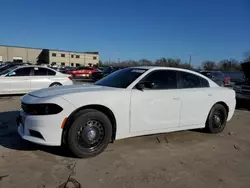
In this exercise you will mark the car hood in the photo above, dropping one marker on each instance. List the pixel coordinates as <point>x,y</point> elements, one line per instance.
<point>64,90</point>
<point>246,69</point>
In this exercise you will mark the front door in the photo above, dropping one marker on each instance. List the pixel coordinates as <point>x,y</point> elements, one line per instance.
<point>158,107</point>
<point>20,80</point>
<point>4,85</point>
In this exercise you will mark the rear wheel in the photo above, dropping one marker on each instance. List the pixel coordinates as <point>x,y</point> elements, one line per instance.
<point>55,84</point>
<point>89,134</point>
<point>217,119</point>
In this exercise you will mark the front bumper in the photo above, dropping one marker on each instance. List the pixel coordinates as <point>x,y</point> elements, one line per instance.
<point>43,129</point>
<point>47,128</point>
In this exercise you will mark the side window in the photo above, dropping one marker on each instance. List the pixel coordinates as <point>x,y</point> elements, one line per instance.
<point>204,82</point>
<point>23,71</point>
<point>189,80</point>
<point>51,72</point>
<point>40,71</point>
<point>162,79</point>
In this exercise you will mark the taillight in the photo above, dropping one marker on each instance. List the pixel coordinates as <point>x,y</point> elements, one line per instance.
<point>70,77</point>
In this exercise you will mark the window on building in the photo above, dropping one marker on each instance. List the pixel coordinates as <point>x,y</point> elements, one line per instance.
<point>72,56</point>
<point>17,59</point>
<point>94,58</point>
<point>77,56</point>
<point>54,54</point>
<point>77,65</point>
<point>72,64</point>
<point>53,63</point>
<point>62,55</point>
<point>62,63</point>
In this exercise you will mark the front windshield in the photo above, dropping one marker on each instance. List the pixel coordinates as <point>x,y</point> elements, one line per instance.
<point>121,78</point>
<point>5,71</point>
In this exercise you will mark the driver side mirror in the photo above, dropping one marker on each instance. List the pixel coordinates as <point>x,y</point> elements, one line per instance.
<point>11,74</point>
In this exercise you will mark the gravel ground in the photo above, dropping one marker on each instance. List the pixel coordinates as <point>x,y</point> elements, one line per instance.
<point>181,159</point>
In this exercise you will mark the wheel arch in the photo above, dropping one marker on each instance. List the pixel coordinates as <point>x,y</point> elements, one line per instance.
<point>55,83</point>
<point>223,104</point>
<point>104,109</point>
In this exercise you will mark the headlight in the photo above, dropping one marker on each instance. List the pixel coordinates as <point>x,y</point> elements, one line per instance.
<point>41,109</point>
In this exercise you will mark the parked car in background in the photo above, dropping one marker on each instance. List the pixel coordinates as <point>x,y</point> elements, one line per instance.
<point>66,69</point>
<point>242,89</point>
<point>23,79</point>
<point>105,71</point>
<point>235,76</point>
<point>82,72</point>
<point>217,76</point>
<point>130,102</point>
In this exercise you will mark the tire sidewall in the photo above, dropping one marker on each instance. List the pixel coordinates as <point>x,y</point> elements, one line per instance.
<point>55,85</point>
<point>209,125</point>
<point>81,119</point>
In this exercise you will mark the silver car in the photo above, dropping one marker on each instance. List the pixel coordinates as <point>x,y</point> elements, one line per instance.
<point>23,79</point>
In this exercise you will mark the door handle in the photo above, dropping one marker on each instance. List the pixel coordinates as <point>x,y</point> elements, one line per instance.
<point>176,98</point>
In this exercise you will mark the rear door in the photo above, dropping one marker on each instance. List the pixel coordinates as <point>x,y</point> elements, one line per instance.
<point>196,97</point>
<point>20,80</point>
<point>41,78</point>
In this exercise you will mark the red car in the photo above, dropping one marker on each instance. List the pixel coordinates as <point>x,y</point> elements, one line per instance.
<point>82,72</point>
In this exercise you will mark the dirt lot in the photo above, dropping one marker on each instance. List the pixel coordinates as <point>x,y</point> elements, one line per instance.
<point>183,159</point>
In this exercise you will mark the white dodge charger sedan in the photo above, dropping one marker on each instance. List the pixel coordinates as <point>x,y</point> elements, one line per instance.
<point>129,102</point>
<point>23,79</point>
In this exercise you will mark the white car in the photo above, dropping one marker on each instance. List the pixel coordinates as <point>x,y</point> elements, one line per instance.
<point>129,102</point>
<point>23,79</point>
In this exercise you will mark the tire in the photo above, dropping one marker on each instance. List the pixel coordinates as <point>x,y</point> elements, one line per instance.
<point>55,84</point>
<point>217,119</point>
<point>89,134</point>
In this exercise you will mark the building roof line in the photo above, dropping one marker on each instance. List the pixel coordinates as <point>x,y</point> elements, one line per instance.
<point>49,49</point>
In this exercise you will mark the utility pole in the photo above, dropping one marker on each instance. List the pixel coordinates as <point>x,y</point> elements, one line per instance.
<point>190,61</point>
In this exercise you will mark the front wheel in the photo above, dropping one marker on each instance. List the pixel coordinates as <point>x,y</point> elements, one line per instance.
<point>217,119</point>
<point>90,133</point>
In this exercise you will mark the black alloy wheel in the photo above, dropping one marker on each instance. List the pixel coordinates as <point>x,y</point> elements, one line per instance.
<point>217,119</point>
<point>89,134</point>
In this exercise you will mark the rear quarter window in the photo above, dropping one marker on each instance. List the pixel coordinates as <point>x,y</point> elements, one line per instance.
<point>189,80</point>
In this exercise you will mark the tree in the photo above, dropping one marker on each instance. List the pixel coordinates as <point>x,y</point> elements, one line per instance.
<point>209,65</point>
<point>145,62</point>
<point>161,62</point>
<point>229,65</point>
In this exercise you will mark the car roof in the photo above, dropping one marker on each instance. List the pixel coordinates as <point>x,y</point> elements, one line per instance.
<point>38,66</point>
<point>163,68</point>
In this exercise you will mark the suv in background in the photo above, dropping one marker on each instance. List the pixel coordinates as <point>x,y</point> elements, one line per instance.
<point>242,89</point>
<point>217,76</point>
